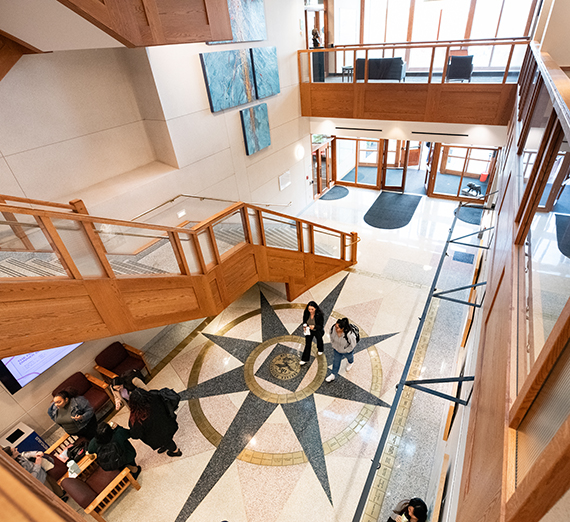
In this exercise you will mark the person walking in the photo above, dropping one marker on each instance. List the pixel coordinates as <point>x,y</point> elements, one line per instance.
<point>343,341</point>
<point>412,510</point>
<point>151,422</point>
<point>313,326</point>
<point>74,414</point>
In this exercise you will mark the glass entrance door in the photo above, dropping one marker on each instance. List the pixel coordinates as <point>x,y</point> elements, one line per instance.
<point>396,154</point>
<point>367,167</point>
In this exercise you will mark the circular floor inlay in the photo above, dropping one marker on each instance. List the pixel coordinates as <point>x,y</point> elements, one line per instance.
<point>285,366</point>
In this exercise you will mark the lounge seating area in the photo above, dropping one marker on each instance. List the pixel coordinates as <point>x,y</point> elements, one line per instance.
<point>95,489</point>
<point>382,69</point>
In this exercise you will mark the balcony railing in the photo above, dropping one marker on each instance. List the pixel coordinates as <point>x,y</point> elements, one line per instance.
<point>496,60</point>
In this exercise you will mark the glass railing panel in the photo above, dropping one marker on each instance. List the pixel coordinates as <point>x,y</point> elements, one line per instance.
<point>360,62</point>
<point>327,243</point>
<point>438,63</point>
<point>207,248</point>
<point>138,251</point>
<point>306,231</point>
<point>304,60</point>
<point>516,63</point>
<point>418,64</point>
<point>318,67</point>
<point>280,232</point>
<point>229,232</point>
<point>79,246</point>
<point>189,249</point>
<point>254,226</point>
<point>343,61</point>
<point>19,256</point>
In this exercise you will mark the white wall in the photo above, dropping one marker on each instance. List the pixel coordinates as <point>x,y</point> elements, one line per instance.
<point>30,404</point>
<point>555,41</point>
<point>69,119</point>
<point>482,135</point>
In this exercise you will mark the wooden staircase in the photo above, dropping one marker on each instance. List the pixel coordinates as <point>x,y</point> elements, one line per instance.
<point>66,276</point>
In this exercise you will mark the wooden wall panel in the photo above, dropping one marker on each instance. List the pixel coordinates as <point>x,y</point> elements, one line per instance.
<point>330,100</point>
<point>485,104</point>
<point>285,265</point>
<point>239,274</point>
<point>383,101</point>
<point>38,324</point>
<point>140,23</point>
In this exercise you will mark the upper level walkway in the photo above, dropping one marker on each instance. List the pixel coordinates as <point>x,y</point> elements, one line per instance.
<point>455,81</point>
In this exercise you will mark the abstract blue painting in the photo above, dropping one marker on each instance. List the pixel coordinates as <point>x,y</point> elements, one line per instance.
<point>229,78</point>
<point>265,71</point>
<point>255,125</point>
<point>248,21</point>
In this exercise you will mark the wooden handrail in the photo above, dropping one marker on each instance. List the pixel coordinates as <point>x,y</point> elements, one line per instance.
<point>4,198</point>
<point>45,220</point>
<point>432,43</point>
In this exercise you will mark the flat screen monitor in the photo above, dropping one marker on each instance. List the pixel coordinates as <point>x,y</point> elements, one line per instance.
<point>19,370</point>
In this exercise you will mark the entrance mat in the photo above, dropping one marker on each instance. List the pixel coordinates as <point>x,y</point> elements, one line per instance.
<point>563,234</point>
<point>337,192</point>
<point>392,210</point>
<point>470,215</point>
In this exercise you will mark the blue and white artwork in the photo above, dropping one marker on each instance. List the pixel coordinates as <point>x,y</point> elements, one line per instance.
<point>248,21</point>
<point>255,124</point>
<point>265,71</point>
<point>229,78</point>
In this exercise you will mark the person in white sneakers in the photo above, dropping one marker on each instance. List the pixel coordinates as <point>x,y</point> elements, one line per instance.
<point>313,326</point>
<point>343,341</point>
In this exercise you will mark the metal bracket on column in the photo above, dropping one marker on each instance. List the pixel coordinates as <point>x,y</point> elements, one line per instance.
<point>440,295</point>
<point>469,235</point>
<point>418,386</point>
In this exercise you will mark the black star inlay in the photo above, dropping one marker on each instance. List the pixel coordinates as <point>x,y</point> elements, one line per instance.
<point>302,415</point>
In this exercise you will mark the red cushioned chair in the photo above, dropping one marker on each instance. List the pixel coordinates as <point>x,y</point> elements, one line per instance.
<point>94,390</point>
<point>119,358</point>
<point>95,490</point>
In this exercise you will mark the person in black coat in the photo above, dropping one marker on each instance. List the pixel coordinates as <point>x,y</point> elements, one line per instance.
<point>313,326</point>
<point>151,422</point>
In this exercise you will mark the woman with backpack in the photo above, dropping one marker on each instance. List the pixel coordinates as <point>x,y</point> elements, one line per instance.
<point>153,422</point>
<point>343,341</point>
<point>113,449</point>
<point>313,326</point>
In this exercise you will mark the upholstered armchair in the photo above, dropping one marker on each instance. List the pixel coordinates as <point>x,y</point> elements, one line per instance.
<point>460,68</point>
<point>119,358</point>
<point>94,390</point>
<point>95,489</point>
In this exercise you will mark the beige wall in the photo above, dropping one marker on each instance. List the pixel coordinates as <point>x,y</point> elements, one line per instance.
<point>555,40</point>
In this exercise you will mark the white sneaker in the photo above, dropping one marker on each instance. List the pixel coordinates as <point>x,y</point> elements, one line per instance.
<point>348,367</point>
<point>302,362</point>
<point>320,353</point>
<point>330,378</point>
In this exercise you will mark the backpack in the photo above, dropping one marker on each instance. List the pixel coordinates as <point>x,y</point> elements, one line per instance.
<point>355,331</point>
<point>78,450</point>
<point>170,398</point>
<point>111,457</point>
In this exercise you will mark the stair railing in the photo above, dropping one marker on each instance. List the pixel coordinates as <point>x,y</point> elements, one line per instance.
<point>49,243</point>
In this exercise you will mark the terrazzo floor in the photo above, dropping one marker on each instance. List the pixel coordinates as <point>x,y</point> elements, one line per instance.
<point>266,440</point>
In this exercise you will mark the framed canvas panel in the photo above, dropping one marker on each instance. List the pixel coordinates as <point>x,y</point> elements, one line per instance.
<point>255,125</point>
<point>265,71</point>
<point>248,21</point>
<point>229,78</point>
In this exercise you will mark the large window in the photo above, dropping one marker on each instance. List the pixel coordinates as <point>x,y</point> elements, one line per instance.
<point>390,20</point>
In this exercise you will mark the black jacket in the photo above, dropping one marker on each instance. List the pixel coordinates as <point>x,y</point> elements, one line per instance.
<point>319,322</point>
<point>158,428</point>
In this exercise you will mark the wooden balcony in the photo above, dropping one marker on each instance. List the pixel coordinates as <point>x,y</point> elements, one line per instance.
<point>425,86</point>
